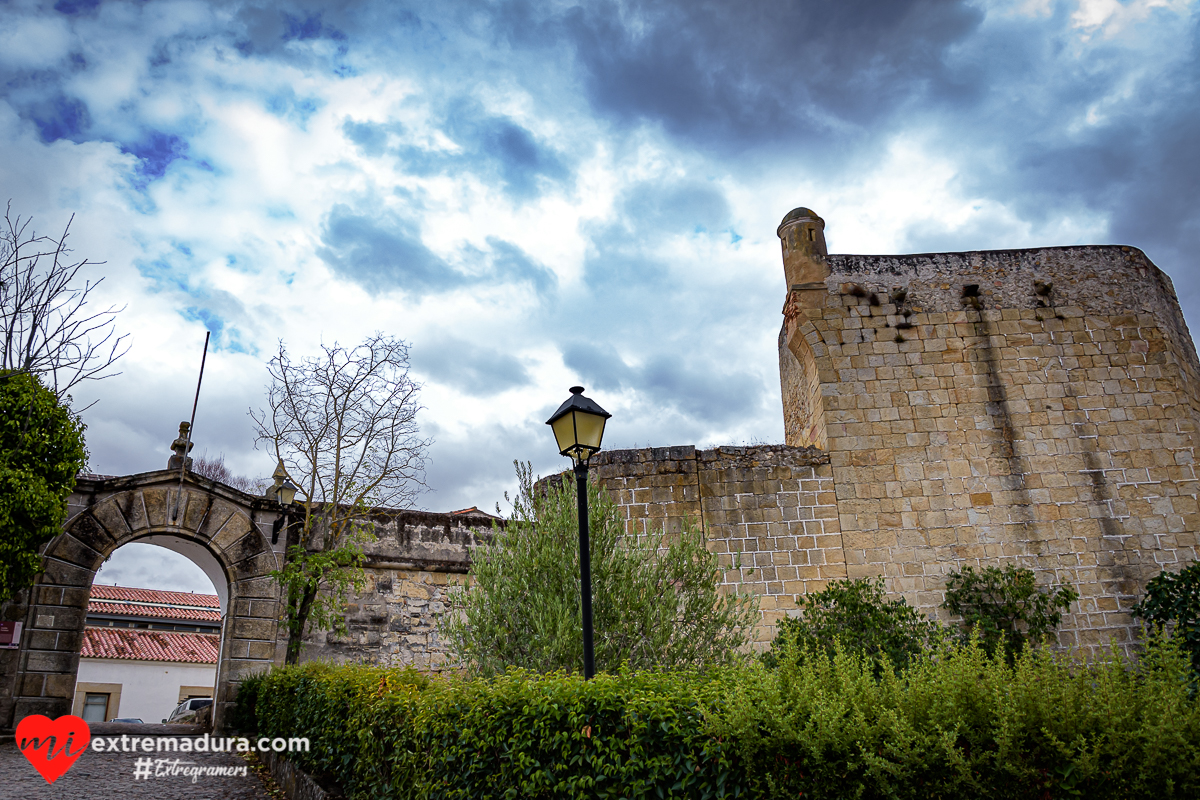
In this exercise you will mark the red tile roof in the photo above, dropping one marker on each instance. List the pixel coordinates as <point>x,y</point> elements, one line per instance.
<point>154,596</point>
<point>163,612</point>
<point>154,603</point>
<point>472,510</point>
<point>143,645</point>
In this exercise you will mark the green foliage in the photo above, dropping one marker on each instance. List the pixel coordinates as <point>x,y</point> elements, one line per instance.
<point>960,723</point>
<point>858,614</point>
<point>657,600</point>
<point>558,736</point>
<point>41,452</point>
<point>317,581</point>
<point>243,717</point>
<point>380,733</point>
<point>1005,607</point>
<point>1175,598</point>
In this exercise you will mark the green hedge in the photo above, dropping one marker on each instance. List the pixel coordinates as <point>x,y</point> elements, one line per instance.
<point>955,724</point>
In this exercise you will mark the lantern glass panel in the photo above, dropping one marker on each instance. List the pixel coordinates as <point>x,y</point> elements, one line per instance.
<point>590,429</point>
<point>564,432</point>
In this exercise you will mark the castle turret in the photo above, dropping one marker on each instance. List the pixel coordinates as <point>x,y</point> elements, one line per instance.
<point>802,234</point>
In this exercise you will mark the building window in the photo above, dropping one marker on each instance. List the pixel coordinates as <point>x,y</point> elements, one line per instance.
<point>95,707</point>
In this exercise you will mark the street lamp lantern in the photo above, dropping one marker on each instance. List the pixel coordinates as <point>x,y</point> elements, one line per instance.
<point>286,492</point>
<point>578,427</point>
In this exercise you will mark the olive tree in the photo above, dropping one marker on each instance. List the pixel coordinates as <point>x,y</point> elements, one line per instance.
<point>658,599</point>
<point>47,326</point>
<point>343,425</point>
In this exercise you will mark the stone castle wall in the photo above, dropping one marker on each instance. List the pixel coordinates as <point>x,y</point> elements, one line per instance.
<point>1035,407</point>
<point>772,509</point>
<point>1030,407</point>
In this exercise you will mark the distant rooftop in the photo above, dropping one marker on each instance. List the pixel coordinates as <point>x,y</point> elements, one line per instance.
<point>472,510</point>
<point>143,645</point>
<point>153,603</point>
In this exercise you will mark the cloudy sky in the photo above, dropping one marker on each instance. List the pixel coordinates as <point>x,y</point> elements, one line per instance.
<point>541,194</point>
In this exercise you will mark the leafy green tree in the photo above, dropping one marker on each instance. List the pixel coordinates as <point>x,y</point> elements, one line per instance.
<point>1174,597</point>
<point>1005,606</point>
<point>41,452</point>
<point>657,600</point>
<point>859,615</point>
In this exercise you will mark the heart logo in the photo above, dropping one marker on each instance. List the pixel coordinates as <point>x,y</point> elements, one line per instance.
<point>52,746</point>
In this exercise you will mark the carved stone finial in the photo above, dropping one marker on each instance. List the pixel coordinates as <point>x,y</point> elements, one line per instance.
<point>279,476</point>
<point>181,446</point>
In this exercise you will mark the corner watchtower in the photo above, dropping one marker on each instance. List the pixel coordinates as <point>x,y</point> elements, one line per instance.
<point>802,234</point>
<point>805,267</point>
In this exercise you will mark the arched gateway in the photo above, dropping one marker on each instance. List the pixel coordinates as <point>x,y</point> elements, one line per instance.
<point>226,532</point>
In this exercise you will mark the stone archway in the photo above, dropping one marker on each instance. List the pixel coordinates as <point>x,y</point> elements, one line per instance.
<point>233,528</point>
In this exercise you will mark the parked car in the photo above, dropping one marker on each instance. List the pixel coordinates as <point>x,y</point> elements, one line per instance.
<point>127,719</point>
<point>187,711</point>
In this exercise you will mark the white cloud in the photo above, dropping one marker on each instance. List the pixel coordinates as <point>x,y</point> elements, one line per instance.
<point>1111,17</point>
<point>32,42</point>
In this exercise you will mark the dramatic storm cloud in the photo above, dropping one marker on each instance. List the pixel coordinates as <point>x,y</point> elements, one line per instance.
<point>536,194</point>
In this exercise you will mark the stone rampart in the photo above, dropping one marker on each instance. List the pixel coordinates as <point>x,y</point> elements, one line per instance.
<point>1035,407</point>
<point>770,508</point>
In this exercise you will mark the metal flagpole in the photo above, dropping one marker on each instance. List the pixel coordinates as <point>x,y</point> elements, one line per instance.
<point>188,439</point>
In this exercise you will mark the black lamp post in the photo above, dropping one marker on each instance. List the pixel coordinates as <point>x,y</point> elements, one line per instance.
<point>578,427</point>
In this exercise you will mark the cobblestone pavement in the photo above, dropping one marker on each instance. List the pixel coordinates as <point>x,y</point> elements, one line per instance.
<point>97,776</point>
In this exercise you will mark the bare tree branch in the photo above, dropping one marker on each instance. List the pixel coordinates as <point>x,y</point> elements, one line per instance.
<point>344,426</point>
<point>46,326</point>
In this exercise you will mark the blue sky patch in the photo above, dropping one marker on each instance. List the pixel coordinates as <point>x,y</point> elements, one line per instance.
<point>62,118</point>
<point>155,152</point>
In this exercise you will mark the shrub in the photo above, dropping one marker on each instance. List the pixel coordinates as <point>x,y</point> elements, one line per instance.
<point>960,723</point>
<point>657,601</point>
<point>1004,607</point>
<point>1175,598</point>
<point>963,723</point>
<point>327,704</point>
<point>858,614</point>
<point>243,717</point>
<point>380,733</point>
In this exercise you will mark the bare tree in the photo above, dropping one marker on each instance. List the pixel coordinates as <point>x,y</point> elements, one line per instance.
<point>216,469</point>
<point>344,427</point>
<point>46,326</point>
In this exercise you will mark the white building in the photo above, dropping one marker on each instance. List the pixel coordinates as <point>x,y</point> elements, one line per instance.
<point>144,652</point>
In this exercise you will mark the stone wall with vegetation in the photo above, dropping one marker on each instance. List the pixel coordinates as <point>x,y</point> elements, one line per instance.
<point>1036,407</point>
<point>414,560</point>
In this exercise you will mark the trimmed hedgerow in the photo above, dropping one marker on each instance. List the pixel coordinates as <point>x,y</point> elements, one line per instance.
<point>381,733</point>
<point>954,723</point>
